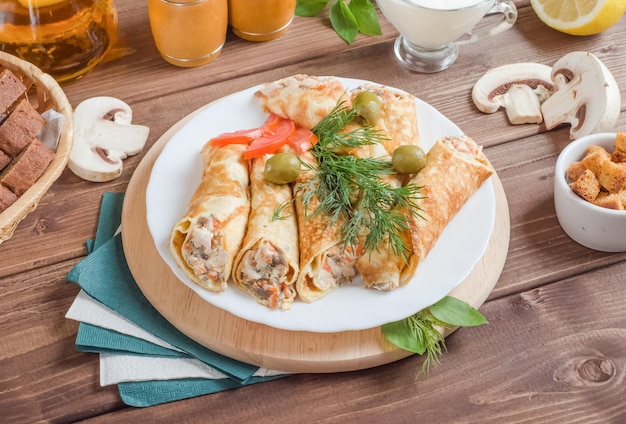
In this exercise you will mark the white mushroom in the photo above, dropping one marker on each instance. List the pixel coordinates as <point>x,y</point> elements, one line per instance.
<point>518,87</point>
<point>587,96</point>
<point>103,136</point>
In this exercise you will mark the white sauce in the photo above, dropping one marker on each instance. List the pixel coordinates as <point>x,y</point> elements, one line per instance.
<point>433,23</point>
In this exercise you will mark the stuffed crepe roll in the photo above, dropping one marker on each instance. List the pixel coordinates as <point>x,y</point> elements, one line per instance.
<point>325,264</point>
<point>397,121</point>
<point>205,241</point>
<point>381,267</point>
<point>304,99</point>
<point>266,267</point>
<point>456,167</point>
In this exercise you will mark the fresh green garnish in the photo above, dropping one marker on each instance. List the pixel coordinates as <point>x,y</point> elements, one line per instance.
<point>348,20</point>
<point>351,190</point>
<point>419,333</point>
<point>277,214</point>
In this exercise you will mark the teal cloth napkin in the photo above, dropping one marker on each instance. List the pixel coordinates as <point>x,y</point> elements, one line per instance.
<point>104,275</point>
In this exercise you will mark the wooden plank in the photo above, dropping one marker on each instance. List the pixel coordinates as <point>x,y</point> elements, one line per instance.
<point>42,375</point>
<point>561,366</point>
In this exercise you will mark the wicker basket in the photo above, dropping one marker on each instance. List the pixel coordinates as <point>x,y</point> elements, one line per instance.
<point>44,93</point>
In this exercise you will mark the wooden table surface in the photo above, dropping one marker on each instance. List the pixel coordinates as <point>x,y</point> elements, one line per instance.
<point>555,348</point>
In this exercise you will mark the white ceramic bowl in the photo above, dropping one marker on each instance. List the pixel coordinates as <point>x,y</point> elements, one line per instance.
<point>592,226</point>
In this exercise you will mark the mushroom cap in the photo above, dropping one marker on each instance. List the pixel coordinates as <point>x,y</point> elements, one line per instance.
<point>587,95</point>
<point>103,136</point>
<point>490,91</point>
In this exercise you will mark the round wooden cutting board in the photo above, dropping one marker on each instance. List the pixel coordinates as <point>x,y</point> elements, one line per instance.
<point>257,344</point>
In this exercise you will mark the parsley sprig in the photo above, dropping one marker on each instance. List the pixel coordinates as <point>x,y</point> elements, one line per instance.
<point>347,19</point>
<point>351,190</point>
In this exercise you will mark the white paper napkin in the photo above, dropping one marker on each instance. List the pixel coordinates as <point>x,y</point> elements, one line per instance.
<point>118,368</point>
<point>88,310</point>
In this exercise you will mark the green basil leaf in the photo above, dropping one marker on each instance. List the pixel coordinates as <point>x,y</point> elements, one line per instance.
<point>343,21</point>
<point>310,8</point>
<point>456,312</point>
<point>366,17</point>
<point>400,334</point>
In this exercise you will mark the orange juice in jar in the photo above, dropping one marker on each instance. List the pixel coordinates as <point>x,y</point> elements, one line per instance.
<point>188,33</point>
<point>260,20</point>
<point>65,38</point>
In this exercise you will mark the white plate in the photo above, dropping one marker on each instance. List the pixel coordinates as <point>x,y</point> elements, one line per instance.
<point>176,174</point>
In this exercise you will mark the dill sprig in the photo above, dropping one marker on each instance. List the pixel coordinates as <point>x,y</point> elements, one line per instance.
<point>423,328</point>
<point>351,189</point>
<point>277,213</point>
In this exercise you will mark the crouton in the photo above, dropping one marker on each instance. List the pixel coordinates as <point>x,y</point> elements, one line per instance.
<point>619,154</point>
<point>612,177</point>
<point>609,201</point>
<point>586,186</point>
<point>575,170</point>
<point>622,195</point>
<point>595,159</point>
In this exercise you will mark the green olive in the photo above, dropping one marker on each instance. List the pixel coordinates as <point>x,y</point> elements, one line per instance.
<point>408,159</point>
<point>282,168</point>
<point>367,106</point>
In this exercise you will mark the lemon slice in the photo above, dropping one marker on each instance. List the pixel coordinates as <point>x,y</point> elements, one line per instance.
<point>579,17</point>
<point>38,3</point>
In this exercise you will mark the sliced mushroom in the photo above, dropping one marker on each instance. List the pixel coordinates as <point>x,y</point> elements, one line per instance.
<point>518,87</point>
<point>103,136</point>
<point>587,96</point>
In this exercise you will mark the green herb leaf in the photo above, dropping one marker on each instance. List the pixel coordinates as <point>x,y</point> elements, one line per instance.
<point>346,20</point>
<point>400,334</point>
<point>457,313</point>
<point>308,8</point>
<point>343,21</point>
<point>420,333</point>
<point>366,16</point>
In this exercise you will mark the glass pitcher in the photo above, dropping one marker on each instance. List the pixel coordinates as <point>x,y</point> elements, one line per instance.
<point>65,38</point>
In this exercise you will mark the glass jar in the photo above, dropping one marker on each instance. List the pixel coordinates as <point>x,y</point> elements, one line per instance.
<point>188,33</point>
<point>65,38</point>
<point>260,20</point>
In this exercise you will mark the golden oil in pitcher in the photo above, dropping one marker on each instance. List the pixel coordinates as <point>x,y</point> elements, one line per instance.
<point>65,38</point>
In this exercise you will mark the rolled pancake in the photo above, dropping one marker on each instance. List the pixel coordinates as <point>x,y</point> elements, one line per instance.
<point>267,265</point>
<point>324,263</point>
<point>381,268</point>
<point>205,241</point>
<point>304,99</point>
<point>456,167</point>
<point>397,122</point>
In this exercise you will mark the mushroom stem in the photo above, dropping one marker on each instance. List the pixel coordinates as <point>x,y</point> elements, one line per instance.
<point>519,87</point>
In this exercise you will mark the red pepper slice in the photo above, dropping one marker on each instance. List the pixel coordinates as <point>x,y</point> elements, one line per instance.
<point>247,136</point>
<point>271,141</point>
<point>302,140</point>
<point>236,137</point>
